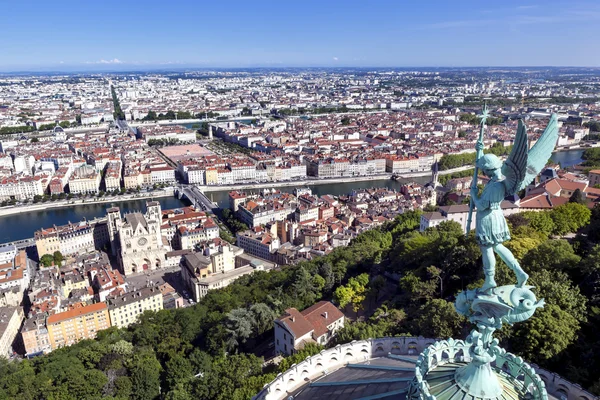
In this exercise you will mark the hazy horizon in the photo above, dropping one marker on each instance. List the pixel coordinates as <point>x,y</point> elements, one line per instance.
<point>80,36</point>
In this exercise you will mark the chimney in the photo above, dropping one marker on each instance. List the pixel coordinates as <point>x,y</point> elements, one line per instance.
<point>325,314</point>
<point>293,319</point>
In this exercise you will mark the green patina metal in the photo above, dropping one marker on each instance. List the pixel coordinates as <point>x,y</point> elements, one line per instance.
<point>478,368</point>
<point>506,179</point>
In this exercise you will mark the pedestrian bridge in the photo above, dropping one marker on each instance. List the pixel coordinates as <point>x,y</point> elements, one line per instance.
<point>196,197</point>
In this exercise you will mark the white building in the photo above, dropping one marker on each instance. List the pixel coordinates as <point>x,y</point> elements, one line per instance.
<point>10,322</point>
<point>212,269</point>
<point>124,310</point>
<point>259,244</point>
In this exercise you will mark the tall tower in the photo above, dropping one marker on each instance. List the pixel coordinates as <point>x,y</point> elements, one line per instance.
<point>434,174</point>
<point>153,218</point>
<point>113,219</point>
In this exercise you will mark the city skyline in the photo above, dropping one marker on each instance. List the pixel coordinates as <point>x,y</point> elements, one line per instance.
<point>124,36</point>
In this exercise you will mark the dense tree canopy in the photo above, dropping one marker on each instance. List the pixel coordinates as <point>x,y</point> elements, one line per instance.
<point>212,350</point>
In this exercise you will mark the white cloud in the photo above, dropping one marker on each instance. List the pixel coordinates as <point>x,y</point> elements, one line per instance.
<point>113,61</point>
<point>335,58</point>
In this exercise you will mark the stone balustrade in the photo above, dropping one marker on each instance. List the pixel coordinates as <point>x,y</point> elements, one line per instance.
<point>329,360</point>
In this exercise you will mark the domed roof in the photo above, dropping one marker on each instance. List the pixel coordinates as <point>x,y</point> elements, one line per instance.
<point>389,368</point>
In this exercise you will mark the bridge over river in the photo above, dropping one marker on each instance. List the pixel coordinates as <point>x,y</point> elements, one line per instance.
<point>196,197</point>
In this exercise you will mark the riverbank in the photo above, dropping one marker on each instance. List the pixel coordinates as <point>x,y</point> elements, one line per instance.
<point>208,189</point>
<point>327,181</point>
<point>575,147</point>
<point>82,202</point>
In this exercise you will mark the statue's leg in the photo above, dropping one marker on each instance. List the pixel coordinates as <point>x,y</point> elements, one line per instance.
<point>489,267</point>
<point>509,259</point>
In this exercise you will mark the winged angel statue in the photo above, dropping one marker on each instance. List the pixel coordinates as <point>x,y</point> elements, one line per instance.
<point>506,179</point>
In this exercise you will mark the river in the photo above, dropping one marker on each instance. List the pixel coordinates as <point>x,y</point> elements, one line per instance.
<point>567,158</point>
<point>21,226</point>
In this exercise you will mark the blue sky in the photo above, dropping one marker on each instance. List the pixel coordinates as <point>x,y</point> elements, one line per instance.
<point>131,34</point>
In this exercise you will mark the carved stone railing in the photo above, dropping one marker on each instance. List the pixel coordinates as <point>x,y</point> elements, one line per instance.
<point>440,351</point>
<point>330,360</point>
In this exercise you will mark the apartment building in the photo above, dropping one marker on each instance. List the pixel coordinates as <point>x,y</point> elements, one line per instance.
<point>258,243</point>
<point>162,175</point>
<point>69,327</point>
<point>112,176</point>
<point>10,322</point>
<point>85,180</point>
<point>212,268</point>
<point>256,214</point>
<point>68,239</point>
<point>34,335</point>
<point>14,273</point>
<point>21,187</point>
<point>125,309</point>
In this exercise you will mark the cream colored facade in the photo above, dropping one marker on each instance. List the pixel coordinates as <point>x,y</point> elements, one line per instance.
<point>112,176</point>
<point>212,270</point>
<point>68,239</point>
<point>10,322</point>
<point>69,327</point>
<point>125,310</point>
<point>22,187</point>
<point>133,180</point>
<point>73,282</point>
<point>84,180</point>
<point>47,243</point>
<point>212,176</point>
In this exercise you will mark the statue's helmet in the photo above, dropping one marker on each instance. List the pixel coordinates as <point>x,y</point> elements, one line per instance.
<point>489,162</point>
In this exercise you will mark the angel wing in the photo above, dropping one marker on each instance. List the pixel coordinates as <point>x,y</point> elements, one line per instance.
<point>514,168</point>
<point>523,165</point>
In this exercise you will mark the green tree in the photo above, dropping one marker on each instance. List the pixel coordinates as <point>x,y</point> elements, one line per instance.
<point>58,257</point>
<point>46,260</point>
<point>343,296</point>
<point>177,370</point>
<point>238,326</point>
<point>550,331</point>
<point>556,288</point>
<point>570,217</point>
<point>326,271</point>
<point>552,255</point>
<point>262,317</point>
<point>540,221</point>
<point>303,287</point>
<point>145,376</point>
<point>438,319</point>
<point>578,197</point>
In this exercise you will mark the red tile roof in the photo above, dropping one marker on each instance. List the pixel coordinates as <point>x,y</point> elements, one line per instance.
<point>78,312</point>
